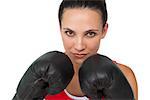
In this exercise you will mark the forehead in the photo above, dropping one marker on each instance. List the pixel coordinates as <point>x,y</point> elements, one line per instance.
<point>83,17</point>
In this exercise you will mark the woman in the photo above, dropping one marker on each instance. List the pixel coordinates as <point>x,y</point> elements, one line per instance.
<point>83,23</point>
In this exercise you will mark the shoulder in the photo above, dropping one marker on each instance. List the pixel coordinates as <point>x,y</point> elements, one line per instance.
<point>125,69</point>
<point>129,74</point>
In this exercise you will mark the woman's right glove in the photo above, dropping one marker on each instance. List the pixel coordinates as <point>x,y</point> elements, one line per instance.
<point>49,74</point>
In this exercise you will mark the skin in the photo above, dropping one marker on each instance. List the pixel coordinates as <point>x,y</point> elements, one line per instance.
<point>82,31</point>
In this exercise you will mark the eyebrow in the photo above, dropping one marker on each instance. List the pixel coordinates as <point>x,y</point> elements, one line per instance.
<point>92,30</point>
<point>67,29</point>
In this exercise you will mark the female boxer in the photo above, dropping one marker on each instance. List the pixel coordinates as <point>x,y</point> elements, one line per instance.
<point>83,23</point>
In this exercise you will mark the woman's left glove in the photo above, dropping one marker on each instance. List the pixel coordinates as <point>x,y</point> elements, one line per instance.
<point>101,78</point>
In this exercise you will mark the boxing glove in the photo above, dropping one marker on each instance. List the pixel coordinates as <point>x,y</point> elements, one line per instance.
<point>100,77</point>
<point>49,74</point>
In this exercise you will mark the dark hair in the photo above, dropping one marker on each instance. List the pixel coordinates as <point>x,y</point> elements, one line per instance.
<point>99,5</point>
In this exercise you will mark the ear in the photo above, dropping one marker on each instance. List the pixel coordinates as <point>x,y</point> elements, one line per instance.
<point>104,31</point>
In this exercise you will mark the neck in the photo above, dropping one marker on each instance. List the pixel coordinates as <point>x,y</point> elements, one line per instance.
<point>74,86</point>
<point>76,67</point>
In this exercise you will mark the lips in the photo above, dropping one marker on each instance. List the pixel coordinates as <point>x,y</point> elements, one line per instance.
<point>79,56</point>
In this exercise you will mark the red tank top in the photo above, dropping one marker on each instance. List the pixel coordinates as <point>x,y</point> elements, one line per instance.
<point>60,96</point>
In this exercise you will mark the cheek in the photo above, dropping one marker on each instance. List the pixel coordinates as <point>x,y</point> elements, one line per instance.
<point>93,45</point>
<point>67,42</point>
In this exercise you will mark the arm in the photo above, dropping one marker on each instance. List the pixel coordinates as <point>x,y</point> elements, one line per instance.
<point>131,78</point>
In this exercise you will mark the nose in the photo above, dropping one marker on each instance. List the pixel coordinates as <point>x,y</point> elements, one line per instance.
<point>79,44</point>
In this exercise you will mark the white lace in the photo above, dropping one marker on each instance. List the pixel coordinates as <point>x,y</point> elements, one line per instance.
<point>75,97</point>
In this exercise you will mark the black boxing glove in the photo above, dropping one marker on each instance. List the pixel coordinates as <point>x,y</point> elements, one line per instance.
<point>49,74</point>
<point>100,78</point>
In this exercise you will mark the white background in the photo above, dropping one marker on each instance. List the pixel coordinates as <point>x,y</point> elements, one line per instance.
<point>29,28</point>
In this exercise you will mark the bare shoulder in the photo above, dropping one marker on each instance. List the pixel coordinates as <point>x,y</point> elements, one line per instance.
<point>129,74</point>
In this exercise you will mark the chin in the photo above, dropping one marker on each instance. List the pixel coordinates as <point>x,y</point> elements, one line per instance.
<point>79,61</point>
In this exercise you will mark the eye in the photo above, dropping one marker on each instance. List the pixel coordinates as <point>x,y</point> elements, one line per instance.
<point>69,33</point>
<point>91,34</point>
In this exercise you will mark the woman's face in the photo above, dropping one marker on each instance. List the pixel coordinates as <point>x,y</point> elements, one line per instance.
<point>81,30</point>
